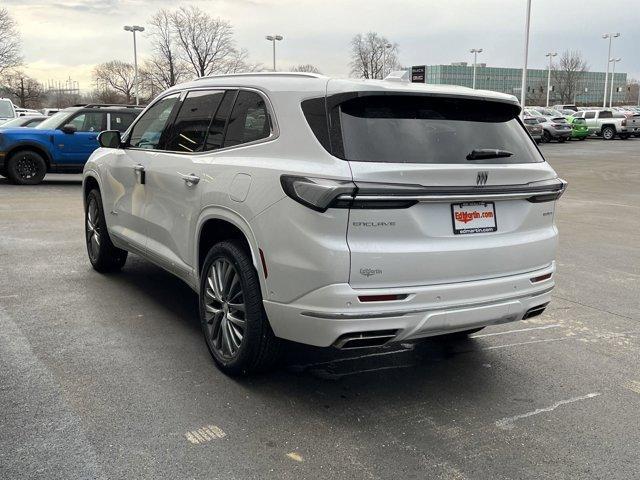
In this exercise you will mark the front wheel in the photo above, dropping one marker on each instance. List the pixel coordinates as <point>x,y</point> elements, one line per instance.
<point>103,255</point>
<point>26,167</point>
<point>234,323</point>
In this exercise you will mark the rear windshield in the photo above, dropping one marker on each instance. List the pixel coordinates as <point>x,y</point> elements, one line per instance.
<point>530,121</point>
<point>423,129</point>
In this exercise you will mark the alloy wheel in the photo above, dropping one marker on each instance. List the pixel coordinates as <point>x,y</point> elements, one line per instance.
<point>26,167</point>
<point>93,229</point>
<point>224,308</point>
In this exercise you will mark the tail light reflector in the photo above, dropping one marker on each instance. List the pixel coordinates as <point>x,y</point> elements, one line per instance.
<point>381,298</point>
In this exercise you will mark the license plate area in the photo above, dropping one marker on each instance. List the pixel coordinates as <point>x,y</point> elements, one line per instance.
<point>473,217</point>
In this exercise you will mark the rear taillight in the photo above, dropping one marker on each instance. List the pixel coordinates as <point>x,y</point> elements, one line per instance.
<point>624,122</point>
<point>556,189</point>
<point>316,193</point>
<point>541,278</point>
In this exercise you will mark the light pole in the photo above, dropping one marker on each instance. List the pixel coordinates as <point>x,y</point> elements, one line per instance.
<point>550,55</point>
<point>272,39</point>
<point>475,52</point>
<point>134,29</point>
<point>523,92</point>
<point>613,77</point>
<point>610,36</point>
<point>384,57</point>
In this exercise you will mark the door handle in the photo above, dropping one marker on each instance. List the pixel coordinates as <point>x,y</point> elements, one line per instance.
<point>190,179</point>
<point>139,170</point>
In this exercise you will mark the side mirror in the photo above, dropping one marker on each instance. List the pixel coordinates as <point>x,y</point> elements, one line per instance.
<point>109,139</point>
<point>69,128</point>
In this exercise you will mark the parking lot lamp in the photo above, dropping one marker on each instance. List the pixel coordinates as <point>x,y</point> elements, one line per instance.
<point>475,52</point>
<point>550,55</point>
<point>613,77</point>
<point>134,29</point>
<point>273,39</point>
<point>610,36</point>
<point>523,89</point>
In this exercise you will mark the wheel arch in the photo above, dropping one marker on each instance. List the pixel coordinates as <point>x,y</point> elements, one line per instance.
<point>216,225</point>
<point>34,146</point>
<point>89,182</point>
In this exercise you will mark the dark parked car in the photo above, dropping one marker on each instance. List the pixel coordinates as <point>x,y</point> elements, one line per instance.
<point>61,143</point>
<point>534,128</point>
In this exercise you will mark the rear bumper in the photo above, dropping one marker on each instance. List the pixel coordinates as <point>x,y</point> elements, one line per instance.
<point>560,133</point>
<point>322,316</point>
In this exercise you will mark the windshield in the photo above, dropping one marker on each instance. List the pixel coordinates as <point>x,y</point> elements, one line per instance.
<point>5,109</point>
<point>422,129</point>
<point>53,121</point>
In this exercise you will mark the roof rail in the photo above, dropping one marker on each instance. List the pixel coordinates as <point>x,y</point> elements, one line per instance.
<point>262,74</point>
<point>102,105</point>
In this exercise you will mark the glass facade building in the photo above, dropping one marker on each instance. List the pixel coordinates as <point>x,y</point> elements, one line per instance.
<point>589,91</point>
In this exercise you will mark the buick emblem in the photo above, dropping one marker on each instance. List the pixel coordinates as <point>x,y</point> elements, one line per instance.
<point>481,179</point>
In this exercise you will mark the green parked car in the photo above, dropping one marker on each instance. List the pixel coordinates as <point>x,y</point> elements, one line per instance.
<point>579,128</point>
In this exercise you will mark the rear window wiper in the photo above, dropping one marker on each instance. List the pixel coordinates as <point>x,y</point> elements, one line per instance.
<point>481,153</point>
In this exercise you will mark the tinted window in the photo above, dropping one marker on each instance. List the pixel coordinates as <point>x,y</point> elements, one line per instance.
<point>147,132</point>
<point>89,121</point>
<point>579,121</point>
<point>605,114</point>
<point>122,121</point>
<point>422,129</point>
<point>590,115</point>
<point>192,123</point>
<point>530,121</point>
<point>219,123</point>
<point>249,120</point>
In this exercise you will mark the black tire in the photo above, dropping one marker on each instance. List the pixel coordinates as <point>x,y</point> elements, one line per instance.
<point>26,167</point>
<point>103,255</point>
<point>223,322</point>
<point>608,133</point>
<point>624,137</point>
<point>562,140</point>
<point>583,138</point>
<point>546,137</point>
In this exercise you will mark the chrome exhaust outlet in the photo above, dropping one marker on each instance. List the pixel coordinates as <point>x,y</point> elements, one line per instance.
<point>350,341</point>
<point>535,311</point>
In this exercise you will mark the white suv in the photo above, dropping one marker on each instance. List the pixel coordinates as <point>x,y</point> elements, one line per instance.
<point>344,213</point>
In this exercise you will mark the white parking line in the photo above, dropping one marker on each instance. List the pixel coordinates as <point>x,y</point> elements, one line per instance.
<point>544,327</point>
<point>507,423</point>
<point>529,343</point>
<point>204,434</point>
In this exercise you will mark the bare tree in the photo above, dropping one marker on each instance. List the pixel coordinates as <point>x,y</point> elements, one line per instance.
<point>9,42</point>
<point>307,67</point>
<point>117,76</point>
<point>27,91</point>
<point>368,54</point>
<point>165,68</point>
<point>633,92</point>
<point>567,76</point>
<point>206,42</point>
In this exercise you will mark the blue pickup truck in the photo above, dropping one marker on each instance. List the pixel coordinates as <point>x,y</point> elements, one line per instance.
<point>60,144</point>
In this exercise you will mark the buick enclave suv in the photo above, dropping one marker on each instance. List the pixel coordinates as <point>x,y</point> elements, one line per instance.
<point>345,213</point>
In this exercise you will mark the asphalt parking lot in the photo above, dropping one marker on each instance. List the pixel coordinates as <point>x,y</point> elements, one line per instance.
<point>108,376</point>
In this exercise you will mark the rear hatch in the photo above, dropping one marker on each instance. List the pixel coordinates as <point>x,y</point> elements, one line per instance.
<point>449,190</point>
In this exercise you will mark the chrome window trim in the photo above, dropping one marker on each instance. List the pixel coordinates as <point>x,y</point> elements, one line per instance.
<point>275,128</point>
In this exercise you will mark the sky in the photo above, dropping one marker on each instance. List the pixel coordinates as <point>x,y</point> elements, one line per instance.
<point>67,38</point>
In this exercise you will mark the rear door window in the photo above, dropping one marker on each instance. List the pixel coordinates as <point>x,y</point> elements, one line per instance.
<point>425,129</point>
<point>249,120</point>
<point>90,121</point>
<point>190,128</point>
<point>590,115</point>
<point>121,120</point>
<point>218,125</point>
<point>605,114</point>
